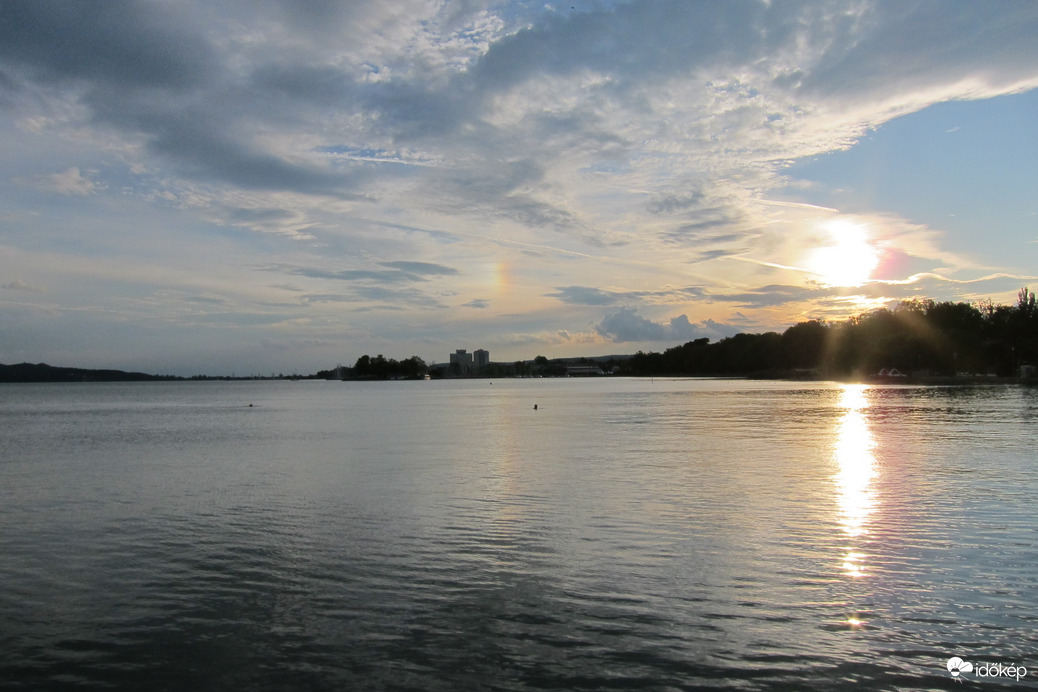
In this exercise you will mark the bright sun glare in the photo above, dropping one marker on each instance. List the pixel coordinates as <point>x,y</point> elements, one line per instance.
<point>849,260</point>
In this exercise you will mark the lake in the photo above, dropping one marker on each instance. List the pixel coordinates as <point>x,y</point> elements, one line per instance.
<point>446,535</point>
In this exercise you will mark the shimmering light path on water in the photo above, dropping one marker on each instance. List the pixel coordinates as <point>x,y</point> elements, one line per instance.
<point>627,534</point>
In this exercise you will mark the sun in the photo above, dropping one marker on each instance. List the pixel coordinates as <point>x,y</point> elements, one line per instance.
<point>849,260</point>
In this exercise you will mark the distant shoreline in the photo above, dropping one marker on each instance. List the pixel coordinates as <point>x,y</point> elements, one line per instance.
<point>41,373</point>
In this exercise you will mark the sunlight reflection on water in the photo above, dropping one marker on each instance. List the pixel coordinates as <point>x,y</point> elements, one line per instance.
<point>686,534</point>
<point>856,470</point>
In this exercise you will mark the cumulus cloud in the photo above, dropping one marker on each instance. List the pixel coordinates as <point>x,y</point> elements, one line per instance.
<point>627,325</point>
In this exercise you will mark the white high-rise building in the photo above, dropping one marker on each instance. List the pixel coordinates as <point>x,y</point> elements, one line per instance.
<point>480,360</point>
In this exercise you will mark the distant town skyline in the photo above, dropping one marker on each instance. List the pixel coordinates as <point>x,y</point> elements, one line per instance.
<point>216,187</point>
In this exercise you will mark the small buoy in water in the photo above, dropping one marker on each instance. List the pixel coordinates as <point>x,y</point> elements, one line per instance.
<point>535,407</point>
<point>250,405</point>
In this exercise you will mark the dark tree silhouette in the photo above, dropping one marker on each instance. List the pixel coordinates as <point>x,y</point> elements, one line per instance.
<point>918,336</point>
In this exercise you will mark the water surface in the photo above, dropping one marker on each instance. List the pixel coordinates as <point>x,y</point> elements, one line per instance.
<point>626,534</point>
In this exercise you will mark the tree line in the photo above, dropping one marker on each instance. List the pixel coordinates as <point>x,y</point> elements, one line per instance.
<point>378,368</point>
<point>920,337</point>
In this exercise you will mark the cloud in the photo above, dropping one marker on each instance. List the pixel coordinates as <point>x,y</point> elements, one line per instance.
<point>290,222</point>
<point>590,295</point>
<point>202,153</point>
<point>584,295</point>
<point>899,46</point>
<point>421,269</point>
<point>501,108</point>
<point>151,72</point>
<point>626,325</point>
<point>772,296</point>
<point>109,43</point>
<point>17,285</point>
<point>395,272</point>
<point>396,298</point>
<point>370,297</point>
<point>70,182</point>
<point>707,255</point>
<point>397,156</point>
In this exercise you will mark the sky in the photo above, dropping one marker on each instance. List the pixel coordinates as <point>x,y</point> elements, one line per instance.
<point>273,186</point>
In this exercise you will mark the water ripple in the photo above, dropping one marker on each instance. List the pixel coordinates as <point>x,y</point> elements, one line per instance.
<point>632,535</point>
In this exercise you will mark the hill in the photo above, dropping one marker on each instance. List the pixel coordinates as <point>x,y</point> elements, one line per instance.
<point>41,372</point>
